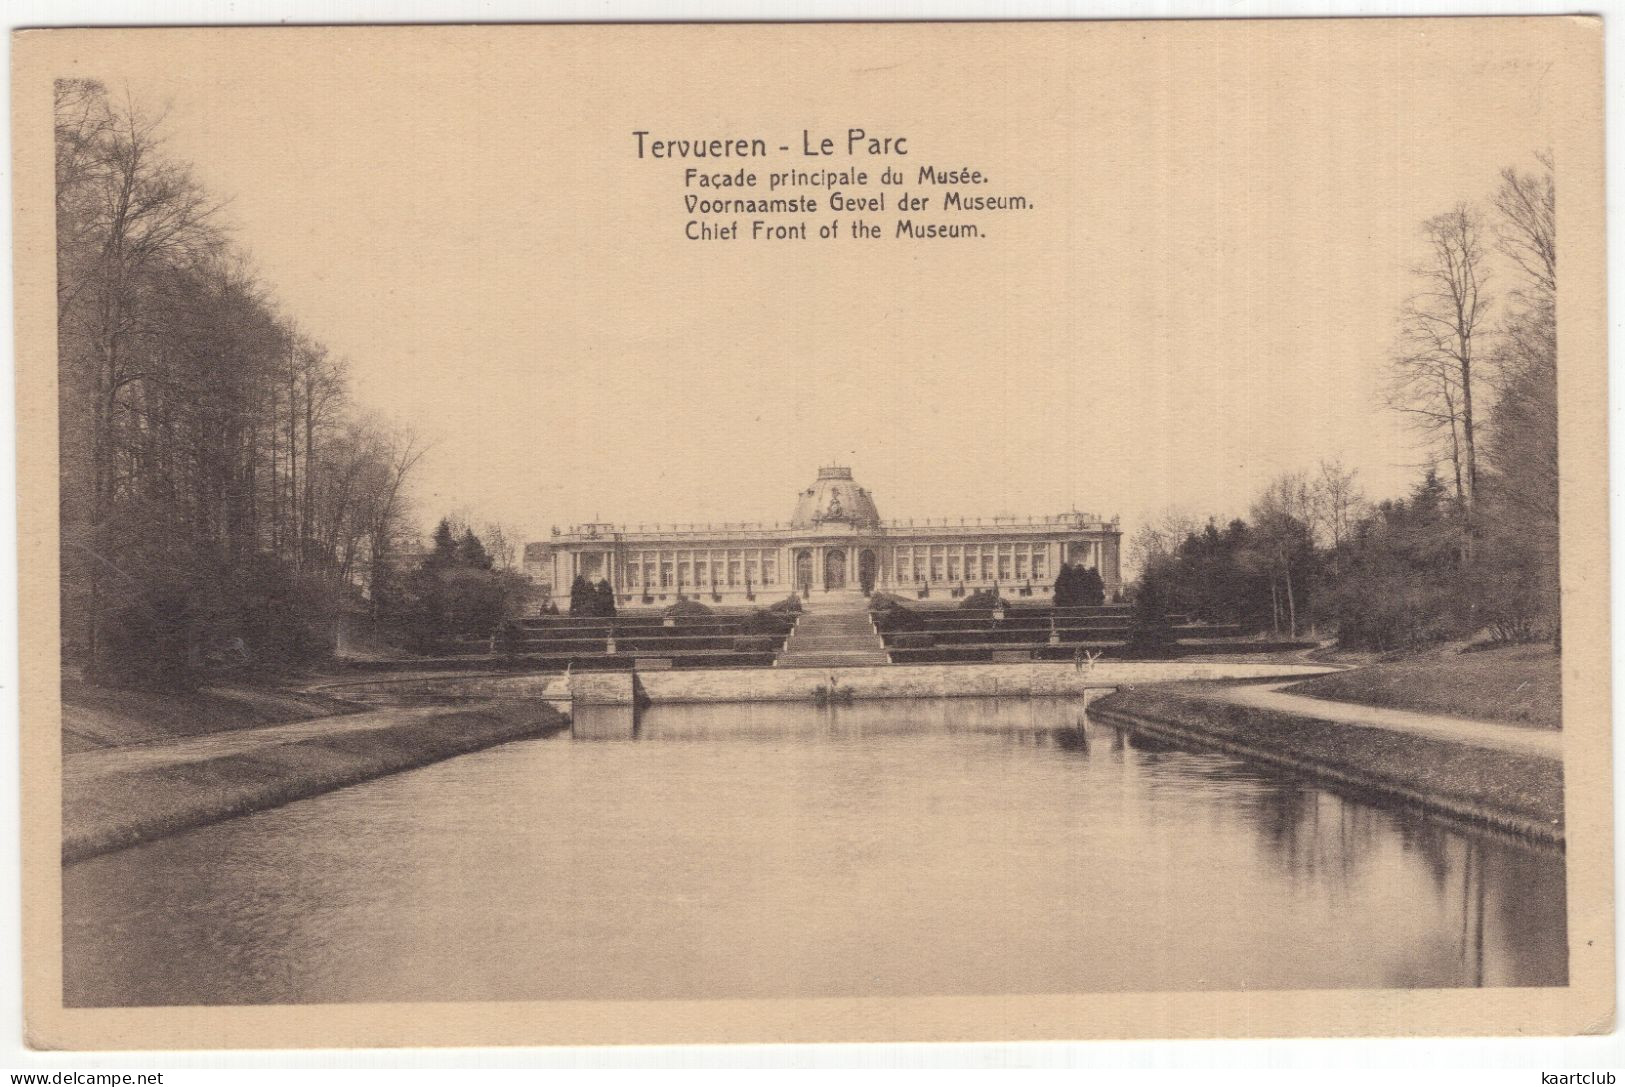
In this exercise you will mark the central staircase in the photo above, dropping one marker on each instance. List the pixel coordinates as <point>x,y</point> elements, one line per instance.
<point>834,632</point>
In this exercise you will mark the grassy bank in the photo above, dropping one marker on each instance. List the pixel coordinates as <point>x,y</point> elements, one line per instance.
<point>1518,793</point>
<point>1520,685</point>
<point>101,717</point>
<point>154,798</point>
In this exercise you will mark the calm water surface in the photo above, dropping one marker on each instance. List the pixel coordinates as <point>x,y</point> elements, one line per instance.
<point>886,848</point>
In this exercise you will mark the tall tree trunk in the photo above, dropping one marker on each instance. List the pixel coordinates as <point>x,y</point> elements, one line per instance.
<point>101,492</point>
<point>1291,603</point>
<point>1470,445</point>
<point>1469,507</point>
<point>279,516</point>
<point>293,525</point>
<point>1455,454</point>
<point>310,454</point>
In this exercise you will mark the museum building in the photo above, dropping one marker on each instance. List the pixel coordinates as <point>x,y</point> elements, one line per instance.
<point>835,541</point>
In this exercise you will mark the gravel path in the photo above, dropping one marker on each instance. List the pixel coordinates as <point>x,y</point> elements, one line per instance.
<point>1489,734</point>
<point>87,765</point>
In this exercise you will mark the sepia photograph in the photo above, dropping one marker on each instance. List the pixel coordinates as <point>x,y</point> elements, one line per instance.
<point>813,532</point>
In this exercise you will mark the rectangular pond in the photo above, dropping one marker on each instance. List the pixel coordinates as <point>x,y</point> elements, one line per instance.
<point>889,848</point>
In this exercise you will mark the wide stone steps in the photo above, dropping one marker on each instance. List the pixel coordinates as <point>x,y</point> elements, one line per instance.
<point>837,634</point>
<point>834,660</point>
<point>811,628</point>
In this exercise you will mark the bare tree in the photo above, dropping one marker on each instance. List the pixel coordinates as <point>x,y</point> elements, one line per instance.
<point>1436,361</point>
<point>385,510</point>
<point>125,214</point>
<point>1335,501</point>
<point>1522,447</point>
<point>1527,228</point>
<point>1159,537</point>
<point>84,130</point>
<point>1282,516</point>
<point>206,443</point>
<point>502,543</point>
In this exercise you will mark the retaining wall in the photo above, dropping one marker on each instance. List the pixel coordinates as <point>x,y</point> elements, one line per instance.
<point>1035,678</point>
<point>1481,787</point>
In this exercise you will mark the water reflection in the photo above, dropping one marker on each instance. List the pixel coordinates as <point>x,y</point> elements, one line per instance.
<point>1035,721</point>
<point>882,848</point>
<point>604,723</point>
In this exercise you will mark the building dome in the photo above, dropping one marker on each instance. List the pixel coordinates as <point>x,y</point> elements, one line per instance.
<point>835,499</point>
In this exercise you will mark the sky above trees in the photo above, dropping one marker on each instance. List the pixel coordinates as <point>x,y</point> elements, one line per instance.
<point>1205,296</point>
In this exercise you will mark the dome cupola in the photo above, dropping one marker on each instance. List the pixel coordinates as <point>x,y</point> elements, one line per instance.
<point>835,498</point>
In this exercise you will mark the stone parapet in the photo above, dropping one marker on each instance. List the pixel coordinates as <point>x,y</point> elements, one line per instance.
<point>1027,679</point>
<point>1015,680</point>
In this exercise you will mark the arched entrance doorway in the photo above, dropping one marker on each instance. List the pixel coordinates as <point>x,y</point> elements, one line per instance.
<point>804,571</point>
<point>866,571</point>
<point>835,569</point>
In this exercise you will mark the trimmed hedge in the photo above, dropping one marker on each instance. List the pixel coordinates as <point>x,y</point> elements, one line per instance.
<point>983,600</point>
<point>911,640</point>
<point>896,618</point>
<point>790,605</point>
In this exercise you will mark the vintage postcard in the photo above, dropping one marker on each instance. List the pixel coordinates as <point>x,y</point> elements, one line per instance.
<point>813,532</point>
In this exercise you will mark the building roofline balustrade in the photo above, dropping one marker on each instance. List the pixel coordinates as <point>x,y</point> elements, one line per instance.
<point>725,529</point>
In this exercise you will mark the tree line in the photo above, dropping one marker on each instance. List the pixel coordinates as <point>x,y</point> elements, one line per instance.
<point>465,587</point>
<point>1474,546</point>
<point>221,495</point>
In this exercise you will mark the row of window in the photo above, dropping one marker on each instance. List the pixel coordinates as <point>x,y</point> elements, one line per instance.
<point>685,569</point>
<point>737,567</point>
<point>971,562</point>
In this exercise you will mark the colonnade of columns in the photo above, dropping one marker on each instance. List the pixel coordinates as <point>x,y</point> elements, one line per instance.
<point>792,566</point>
